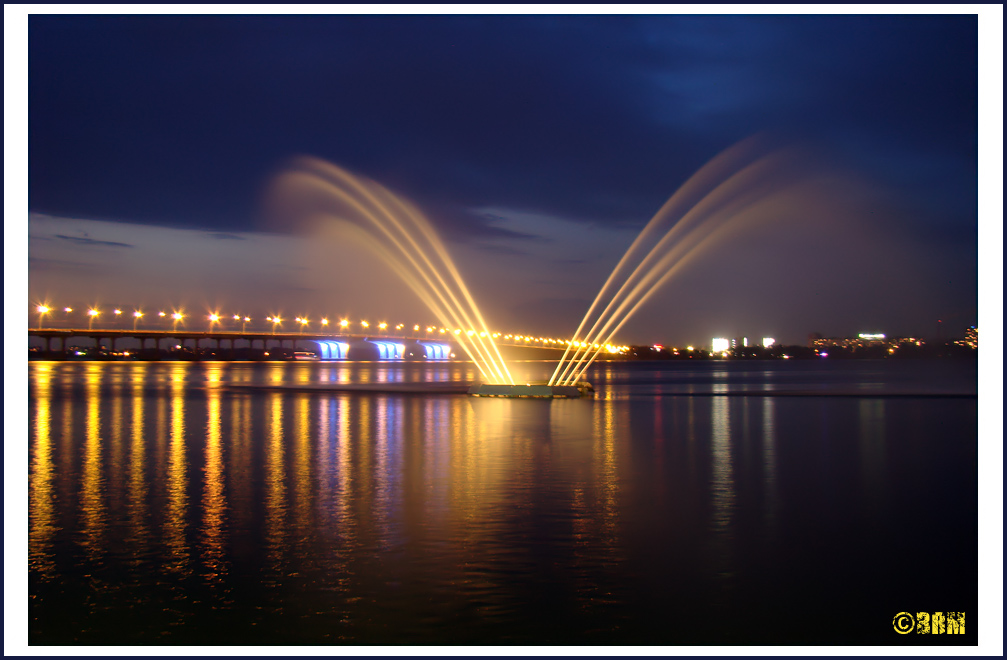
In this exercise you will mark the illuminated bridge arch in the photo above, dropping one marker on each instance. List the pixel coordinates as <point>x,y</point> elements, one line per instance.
<point>432,351</point>
<point>388,350</point>
<point>332,350</point>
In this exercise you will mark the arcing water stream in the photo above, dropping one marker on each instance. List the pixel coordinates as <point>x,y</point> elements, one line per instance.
<point>718,197</point>
<point>723,194</point>
<point>404,239</point>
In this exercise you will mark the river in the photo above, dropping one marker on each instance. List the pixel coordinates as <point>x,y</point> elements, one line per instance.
<point>727,503</point>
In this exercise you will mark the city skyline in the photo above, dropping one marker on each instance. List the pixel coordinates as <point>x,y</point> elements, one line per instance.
<point>151,184</point>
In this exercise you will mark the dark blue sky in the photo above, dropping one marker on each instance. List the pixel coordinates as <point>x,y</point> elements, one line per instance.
<point>498,125</point>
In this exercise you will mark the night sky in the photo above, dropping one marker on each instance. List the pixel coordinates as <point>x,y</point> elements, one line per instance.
<point>538,146</point>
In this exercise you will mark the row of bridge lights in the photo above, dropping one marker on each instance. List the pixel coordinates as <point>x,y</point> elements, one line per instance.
<point>344,324</point>
<point>93,313</point>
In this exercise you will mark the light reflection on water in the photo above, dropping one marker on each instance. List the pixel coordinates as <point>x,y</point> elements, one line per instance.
<point>93,503</point>
<point>176,510</point>
<point>42,511</point>
<point>170,508</point>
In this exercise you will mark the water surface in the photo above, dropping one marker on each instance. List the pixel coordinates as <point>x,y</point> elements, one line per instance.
<point>167,508</point>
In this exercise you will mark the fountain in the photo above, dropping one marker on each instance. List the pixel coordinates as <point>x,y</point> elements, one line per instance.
<point>720,195</point>
<point>398,233</point>
<point>723,193</point>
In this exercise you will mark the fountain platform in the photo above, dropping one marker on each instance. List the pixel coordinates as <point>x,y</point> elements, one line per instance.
<point>534,390</point>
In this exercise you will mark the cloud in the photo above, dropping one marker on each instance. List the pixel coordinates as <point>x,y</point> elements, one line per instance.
<point>597,118</point>
<point>503,250</point>
<point>223,236</point>
<point>85,240</point>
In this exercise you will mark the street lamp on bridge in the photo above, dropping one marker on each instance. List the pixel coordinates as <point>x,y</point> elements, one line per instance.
<point>175,318</point>
<point>137,315</point>
<point>91,315</point>
<point>42,311</point>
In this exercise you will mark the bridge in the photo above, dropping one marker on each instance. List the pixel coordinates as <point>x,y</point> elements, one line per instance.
<point>228,343</point>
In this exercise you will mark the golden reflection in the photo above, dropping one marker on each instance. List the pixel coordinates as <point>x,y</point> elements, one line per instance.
<point>364,437</point>
<point>276,372</point>
<point>333,504</point>
<point>214,502</point>
<point>137,506</point>
<point>606,474</point>
<point>178,373</point>
<point>477,435</point>
<point>92,481</point>
<point>323,457</point>
<point>117,466</point>
<point>483,474</point>
<point>240,471</point>
<point>68,445</point>
<point>722,480</point>
<point>276,489</point>
<point>303,488</point>
<point>344,473</point>
<point>138,375</point>
<point>161,441</point>
<point>178,549</point>
<point>214,374</point>
<point>42,523</point>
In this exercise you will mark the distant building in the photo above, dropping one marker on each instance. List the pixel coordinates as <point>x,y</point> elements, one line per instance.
<point>863,340</point>
<point>867,340</point>
<point>971,338</point>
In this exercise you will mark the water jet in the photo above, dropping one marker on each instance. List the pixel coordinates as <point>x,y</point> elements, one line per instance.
<point>723,193</point>
<point>399,234</point>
